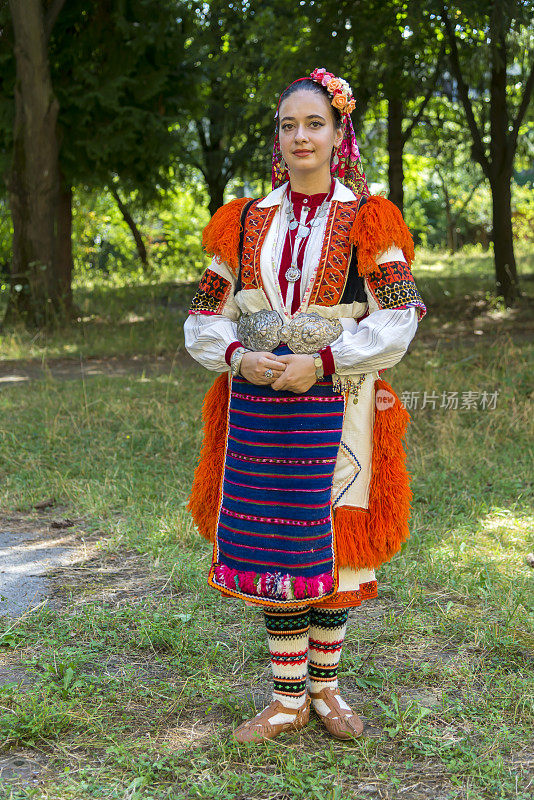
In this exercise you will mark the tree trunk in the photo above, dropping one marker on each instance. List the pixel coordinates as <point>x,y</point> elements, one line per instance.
<point>451,238</point>
<point>395,151</point>
<point>136,233</point>
<point>503,243</point>
<point>501,163</point>
<point>63,251</point>
<point>499,166</point>
<point>216,192</point>
<point>33,180</point>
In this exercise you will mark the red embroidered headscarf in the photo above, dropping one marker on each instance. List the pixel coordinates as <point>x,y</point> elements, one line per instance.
<point>347,163</point>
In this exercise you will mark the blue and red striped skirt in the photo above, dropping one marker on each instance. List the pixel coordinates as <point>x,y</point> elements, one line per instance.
<point>274,541</point>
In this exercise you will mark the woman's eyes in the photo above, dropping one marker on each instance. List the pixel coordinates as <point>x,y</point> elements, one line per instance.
<point>314,124</point>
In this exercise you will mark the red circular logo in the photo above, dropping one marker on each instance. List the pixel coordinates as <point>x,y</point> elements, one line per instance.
<point>384,399</point>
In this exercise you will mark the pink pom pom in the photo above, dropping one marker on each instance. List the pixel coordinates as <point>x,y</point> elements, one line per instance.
<point>247,583</point>
<point>328,582</point>
<point>229,575</point>
<point>299,588</point>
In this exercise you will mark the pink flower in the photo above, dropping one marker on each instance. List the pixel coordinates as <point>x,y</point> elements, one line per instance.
<point>355,150</point>
<point>317,74</point>
<point>327,77</point>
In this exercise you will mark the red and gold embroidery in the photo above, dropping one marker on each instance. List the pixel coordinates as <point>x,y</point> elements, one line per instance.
<point>211,295</point>
<point>257,224</point>
<point>334,265</point>
<point>393,286</point>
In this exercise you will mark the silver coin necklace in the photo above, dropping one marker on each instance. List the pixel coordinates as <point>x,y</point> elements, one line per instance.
<point>294,272</point>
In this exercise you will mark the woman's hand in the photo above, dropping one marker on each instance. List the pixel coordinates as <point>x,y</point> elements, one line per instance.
<point>299,374</point>
<point>253,366</point>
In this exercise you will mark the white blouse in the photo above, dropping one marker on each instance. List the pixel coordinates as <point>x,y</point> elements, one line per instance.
<point>377,342</point>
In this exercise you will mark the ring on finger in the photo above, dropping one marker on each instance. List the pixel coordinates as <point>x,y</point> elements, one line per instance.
<point>269,373</point>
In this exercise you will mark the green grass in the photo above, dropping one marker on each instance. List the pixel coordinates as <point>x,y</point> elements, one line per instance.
<point>440,666</point>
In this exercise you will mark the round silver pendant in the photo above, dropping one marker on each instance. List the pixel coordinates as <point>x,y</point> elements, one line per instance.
<point>292,274</point>
<point>303,231</point>
<point>293,224</point>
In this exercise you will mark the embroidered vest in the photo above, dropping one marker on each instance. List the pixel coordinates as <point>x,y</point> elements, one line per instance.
<point>337,279</point>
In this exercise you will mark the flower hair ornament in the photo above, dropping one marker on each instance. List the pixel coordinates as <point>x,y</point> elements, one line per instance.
<point>346,163</point>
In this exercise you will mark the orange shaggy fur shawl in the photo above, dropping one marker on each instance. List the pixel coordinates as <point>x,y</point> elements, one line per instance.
<point>378,226</point>
<point>221,234</point>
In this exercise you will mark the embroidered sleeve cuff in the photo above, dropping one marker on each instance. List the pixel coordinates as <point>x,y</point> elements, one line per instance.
<point>230,349</point>
<point>328,360</point>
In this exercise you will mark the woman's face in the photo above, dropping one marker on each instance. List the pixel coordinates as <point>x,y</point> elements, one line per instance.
<point>307,133</point>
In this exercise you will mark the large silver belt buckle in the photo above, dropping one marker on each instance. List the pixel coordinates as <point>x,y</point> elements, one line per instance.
<point>306,333</point>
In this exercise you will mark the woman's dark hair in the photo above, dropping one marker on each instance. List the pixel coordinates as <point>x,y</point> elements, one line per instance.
<point>312,86</point>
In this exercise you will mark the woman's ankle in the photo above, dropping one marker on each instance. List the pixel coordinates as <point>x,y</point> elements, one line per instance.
<point>315,687</point>
<point>290,702</point>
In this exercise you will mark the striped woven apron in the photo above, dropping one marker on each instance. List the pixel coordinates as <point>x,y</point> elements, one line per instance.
<point>274,541</point>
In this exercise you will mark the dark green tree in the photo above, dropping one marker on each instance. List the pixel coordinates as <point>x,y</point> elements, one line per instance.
<point>105,84</point>
<point>440,136</point>
<point>390,53</point>
<point>235,60</point>
<point>493,70</point>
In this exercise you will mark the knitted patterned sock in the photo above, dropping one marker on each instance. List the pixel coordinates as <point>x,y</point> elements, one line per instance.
<point>327,633</point>
<point>287,633</point>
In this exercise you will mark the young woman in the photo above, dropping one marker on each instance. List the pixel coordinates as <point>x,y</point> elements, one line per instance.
<point>301,484</point>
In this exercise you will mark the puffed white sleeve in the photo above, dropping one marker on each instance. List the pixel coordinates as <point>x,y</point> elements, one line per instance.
<point>381,339</point>
<point>211,325</point>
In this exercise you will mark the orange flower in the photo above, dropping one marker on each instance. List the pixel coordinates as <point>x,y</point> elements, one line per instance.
<point>339,101</point>
<point>333,85</point>
<point>351,105</point>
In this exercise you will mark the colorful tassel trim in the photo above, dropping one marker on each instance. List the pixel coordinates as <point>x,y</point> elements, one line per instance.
<point>366,538</point>
<point>274,585</point>
<point>221,234</point>
<point>204,500</point>
<point>378,226</point>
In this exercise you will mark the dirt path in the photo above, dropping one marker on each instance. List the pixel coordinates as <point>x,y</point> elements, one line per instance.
<point>25,557</point>
<point>22,371</point>
<point>50,560</point>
